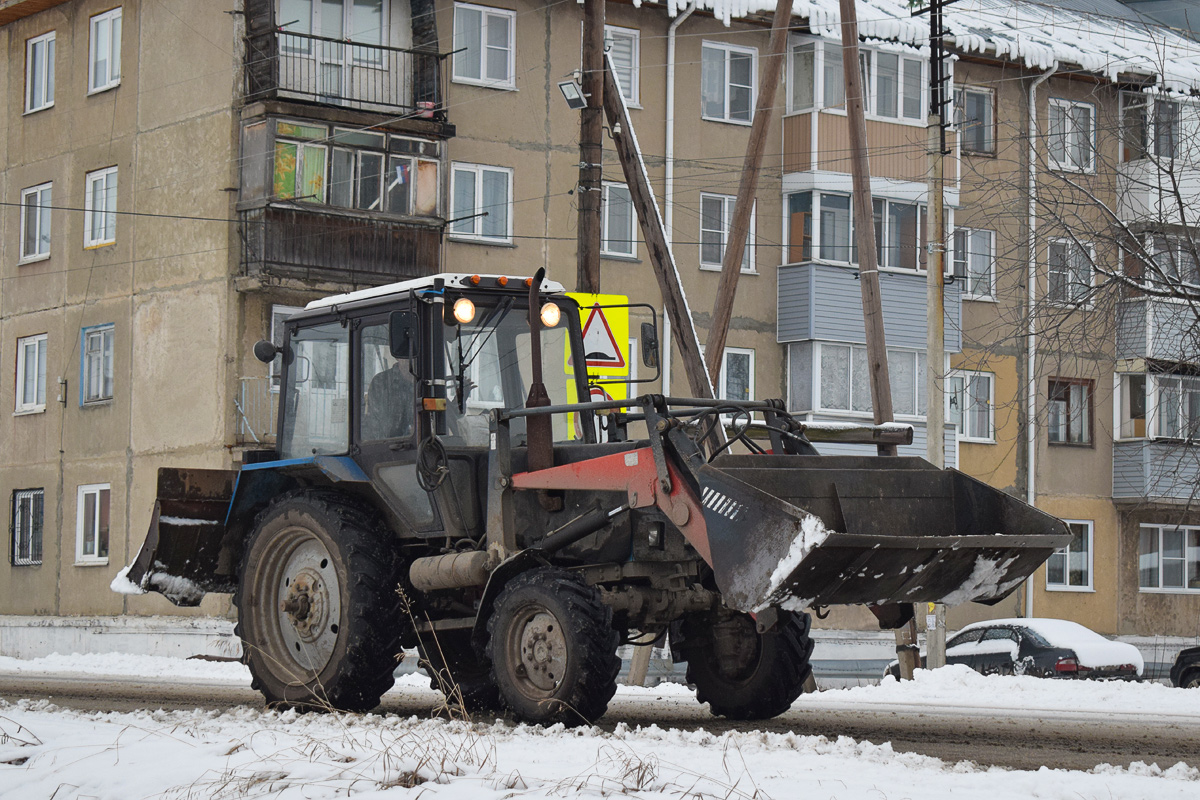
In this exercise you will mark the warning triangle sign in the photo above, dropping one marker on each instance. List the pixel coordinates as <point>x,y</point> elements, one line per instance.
<point>599,344</point>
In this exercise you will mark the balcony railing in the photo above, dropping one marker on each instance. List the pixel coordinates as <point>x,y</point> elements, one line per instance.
<point>256,408</point>
<point>366,77</point>
<point>323,246</point>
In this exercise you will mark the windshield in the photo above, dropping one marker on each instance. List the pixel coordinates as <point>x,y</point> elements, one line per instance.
<point>488,366</point>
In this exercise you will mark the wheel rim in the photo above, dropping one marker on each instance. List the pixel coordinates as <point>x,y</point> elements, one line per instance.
<point>301,601</point>
<point>537,652</point>
<point>1193,681</point>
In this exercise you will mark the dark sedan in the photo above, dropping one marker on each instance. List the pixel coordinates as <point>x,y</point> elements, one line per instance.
<point>1186,671</point>
<point>1047,648</point>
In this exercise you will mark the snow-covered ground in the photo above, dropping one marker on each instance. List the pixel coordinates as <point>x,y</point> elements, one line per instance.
<point>51,752</point>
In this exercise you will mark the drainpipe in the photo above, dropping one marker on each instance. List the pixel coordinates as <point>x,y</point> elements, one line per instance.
<point>1031,336</point>
<point>669,174</point>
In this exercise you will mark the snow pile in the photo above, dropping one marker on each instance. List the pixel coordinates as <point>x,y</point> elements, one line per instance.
<point>1037,35</point>
<point>122,585</point>
<point>985,582</point>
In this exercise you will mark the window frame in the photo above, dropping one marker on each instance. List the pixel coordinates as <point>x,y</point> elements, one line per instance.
<point>101,535</point>
<point>722,387</point>
<point>960,121</point>
<point>44,207</point>
<point>962,429</point>
<point>107,334</point>
<point>476,234</point>
<point>36,531</point>
<point>728,202</point>
<point>1072,248</point>
<point>1089,539</point>
<point>23,405</point>
<point>635,37</point>
<point>814,240</point>
<point>970,289</point>
<point>869,70</point>
<point>509,82</point>
<point>48,52</point>
<point>795,47</point>
<point>113,79</point>
<point>1089,396</point>
<point>1069,132</point>
<point>1161,530</point>
<point>727,49</point>
<point>606,237</point>
<point>90,212</point>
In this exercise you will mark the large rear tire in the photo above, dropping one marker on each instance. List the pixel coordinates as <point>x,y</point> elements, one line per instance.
<point>741,673</point>
<point>318,611</point>
<point>458,673</point>
<point>553,648</point>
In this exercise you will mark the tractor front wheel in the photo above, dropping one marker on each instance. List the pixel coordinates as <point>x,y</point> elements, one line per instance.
<point>744,674</point>
<point>318,612</point>
<point>553,648</point>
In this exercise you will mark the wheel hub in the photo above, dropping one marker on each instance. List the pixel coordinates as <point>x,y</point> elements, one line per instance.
<point>307,604</point>
<point>307,600</point>
<point>543,651</point>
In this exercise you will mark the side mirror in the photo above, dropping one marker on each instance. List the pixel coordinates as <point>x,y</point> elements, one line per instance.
<point>649,344</point>
<point>402,334</point>
<point>265,351</point>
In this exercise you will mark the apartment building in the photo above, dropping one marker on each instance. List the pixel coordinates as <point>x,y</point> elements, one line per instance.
<point>179,182</point>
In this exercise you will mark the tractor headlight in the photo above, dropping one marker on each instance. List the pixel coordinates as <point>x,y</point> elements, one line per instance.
<point>551,314</point>
<point>464,310</point>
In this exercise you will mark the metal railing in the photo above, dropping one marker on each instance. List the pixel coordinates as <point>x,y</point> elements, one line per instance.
<point>360,76</point>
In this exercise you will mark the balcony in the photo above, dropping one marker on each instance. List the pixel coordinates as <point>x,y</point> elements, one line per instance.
<point>363,77</point>
<point>1158,191</point>
<point>1157,328</point>
<point>1150,470</point>
<point>323,246</point>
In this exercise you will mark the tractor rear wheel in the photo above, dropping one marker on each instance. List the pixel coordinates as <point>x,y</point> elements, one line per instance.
<point>553,648</point>
<point>744,674</point>
<point>318,611</point>
<point>457,672</point>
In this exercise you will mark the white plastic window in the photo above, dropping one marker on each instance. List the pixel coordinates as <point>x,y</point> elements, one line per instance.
<point>104,51</point>
<point>39,72</point>
<point>484,45</point>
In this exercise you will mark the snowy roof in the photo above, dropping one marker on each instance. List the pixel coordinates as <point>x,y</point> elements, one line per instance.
<point>454,280</point>
<point>1108,42</point>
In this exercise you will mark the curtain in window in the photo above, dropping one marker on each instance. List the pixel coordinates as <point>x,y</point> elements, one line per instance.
<point>495,202</point>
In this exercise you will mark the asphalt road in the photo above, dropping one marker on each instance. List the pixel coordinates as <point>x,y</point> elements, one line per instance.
<point>1022,739</point>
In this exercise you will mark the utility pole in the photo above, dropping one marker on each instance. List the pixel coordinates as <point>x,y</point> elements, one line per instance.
<point>591,152</point>
<point>739,227</point>
<point>935,452</point>
<point>907,651</point>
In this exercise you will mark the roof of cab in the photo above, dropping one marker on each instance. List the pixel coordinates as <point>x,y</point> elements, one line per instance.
<point>453,280</point>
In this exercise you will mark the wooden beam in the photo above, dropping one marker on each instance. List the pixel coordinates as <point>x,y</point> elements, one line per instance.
<point>591,149</point>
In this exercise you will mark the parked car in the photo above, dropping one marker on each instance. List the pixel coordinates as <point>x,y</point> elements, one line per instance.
<point>1186,671</point>
<point>1047,648</point>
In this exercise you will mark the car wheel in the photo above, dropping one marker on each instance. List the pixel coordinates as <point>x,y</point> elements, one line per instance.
<point>1190,679</point>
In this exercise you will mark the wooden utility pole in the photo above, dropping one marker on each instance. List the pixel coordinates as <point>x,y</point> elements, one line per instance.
<point>907,651</point>
<point>739,228</point>
<point>935,449</point>
<point>591,152</point>
<point>663,260</point>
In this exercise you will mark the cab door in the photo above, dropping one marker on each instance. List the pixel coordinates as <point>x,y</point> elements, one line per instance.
<point>385,423</point>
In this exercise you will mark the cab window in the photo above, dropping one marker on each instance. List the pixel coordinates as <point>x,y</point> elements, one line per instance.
<point>317,399</point>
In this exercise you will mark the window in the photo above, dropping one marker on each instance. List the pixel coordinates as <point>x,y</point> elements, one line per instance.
<point>1131,406</point>
<point>899,230</point>
<point>974,257</point>
<point>899,235</point>
<point>100,208</point>
<point>624,45</point>
<point>35,223</point>
<point>716,217</point>
<point>31,374</point>
<point>1072,135</point>
<point>802,68</point>
<point>1169,558</point>
<point>1070,411</point>
<point>617,237</point>
<point>845,380</point>
<point>969,397</point>
<point>834,228</point>
<point>737,374</point>
<point>727,77</point>
<point>96,379</point>
<point>91,524</point>
<point>1174,261</point>
<point>893,85</point>
<point>39,72</point>
<point>104,51</point>
<point>1177,412</point>
<point>1071,567</point>
<point>974,120</point>
<point>1154,126</point>
<point>28,510</point>
<point>348,20</point>
<point>481,202</point>
<point>1070,279</point>
<point>800,231</point>
<point>483,44</point>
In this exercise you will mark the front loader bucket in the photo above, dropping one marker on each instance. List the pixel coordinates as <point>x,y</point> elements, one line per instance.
<point>181,554</point>
<point>800,531</point>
